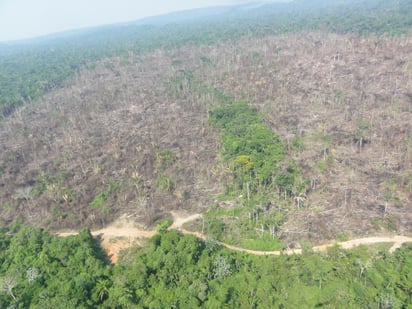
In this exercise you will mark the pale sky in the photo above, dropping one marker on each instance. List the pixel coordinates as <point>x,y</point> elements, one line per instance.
<point>21,19</point>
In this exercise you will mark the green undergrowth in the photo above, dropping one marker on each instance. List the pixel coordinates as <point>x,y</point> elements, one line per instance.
<point>260,180</point>
<point>256,155</point>
<point>100,200</point>
<point>264,242</point>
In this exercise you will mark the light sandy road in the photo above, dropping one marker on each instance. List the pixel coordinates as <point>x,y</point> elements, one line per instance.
<point>122,234</point>
<point>397,241</point>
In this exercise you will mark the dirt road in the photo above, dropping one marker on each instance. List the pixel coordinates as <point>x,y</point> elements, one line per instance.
<point>123,234</point>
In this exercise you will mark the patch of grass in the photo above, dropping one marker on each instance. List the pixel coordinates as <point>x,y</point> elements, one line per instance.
<point>7,207</point>
<point>214,227</point>
<point>228,196</point>
<point>68,195</point>
<point>263,243</point>
<point>99,199</point>
<point>325,164</point>
<point>164,225</point>
<point>342,237</point>
<point>112,187</point>
<point>102,197</point>
<point>388,223</point>
<point>164,183</point>
<point>298,144</point>
<point>164,159</point>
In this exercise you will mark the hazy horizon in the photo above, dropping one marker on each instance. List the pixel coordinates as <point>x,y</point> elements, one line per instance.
<point>24,19</point>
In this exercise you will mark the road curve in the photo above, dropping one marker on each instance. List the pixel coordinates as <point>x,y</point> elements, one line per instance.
<point>397,240</point>
<point>109,235</point>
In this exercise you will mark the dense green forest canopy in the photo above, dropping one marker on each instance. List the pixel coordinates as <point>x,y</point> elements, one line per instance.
<point>39,270</point>
<point>28,69</point>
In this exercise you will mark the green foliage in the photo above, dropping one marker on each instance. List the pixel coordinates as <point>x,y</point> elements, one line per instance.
<point>362,131</point>
<point>205,60</point>
<point>164,225</point>
<point>298,144</point>
<point>6,206</point>
<point>214,227</point>
<point>398,189</point>
<point>102,197</point>
<point>38,270</point>
<point>388,223</point>
<point>260,170</point>
<point>264,242</point>
<point>256,58</point>
<point>257,154</point>
<point>112,187</point>
<point>340,96</point>
<point>50,272</point>
<point>99,199</point>
<point>243,164</point>
<point>163,160</point>
<point>249,227</point>
<point>164,183</point>
<point>42,180</point>
<point>55,186</point>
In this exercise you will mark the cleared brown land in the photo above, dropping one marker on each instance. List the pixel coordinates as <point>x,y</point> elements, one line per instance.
<point>109,126</point>
<point>319,89</point>
<point>342,104</point>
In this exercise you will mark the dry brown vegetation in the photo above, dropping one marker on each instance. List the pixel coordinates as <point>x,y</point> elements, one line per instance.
<point>317,90</point>
<point>108,127</point>
<point>341,103</point>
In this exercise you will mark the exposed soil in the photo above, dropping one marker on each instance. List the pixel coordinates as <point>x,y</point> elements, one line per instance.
<point>120,234</point>
<point>124,233</point>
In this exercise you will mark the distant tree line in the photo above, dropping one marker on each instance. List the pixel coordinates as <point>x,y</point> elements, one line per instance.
<point>28,70</point>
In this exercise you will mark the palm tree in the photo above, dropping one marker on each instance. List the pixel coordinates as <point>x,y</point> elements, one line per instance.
<point>7,284</point>
<point>102,288</point>
<point>361,133</point>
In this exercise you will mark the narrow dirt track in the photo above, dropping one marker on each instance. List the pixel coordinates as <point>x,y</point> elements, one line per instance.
<point>123,234</point>
<point>179,219</point>
<point>397,243</point>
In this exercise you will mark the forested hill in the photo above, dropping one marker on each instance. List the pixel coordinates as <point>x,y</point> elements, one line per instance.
<point>30,68</point>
